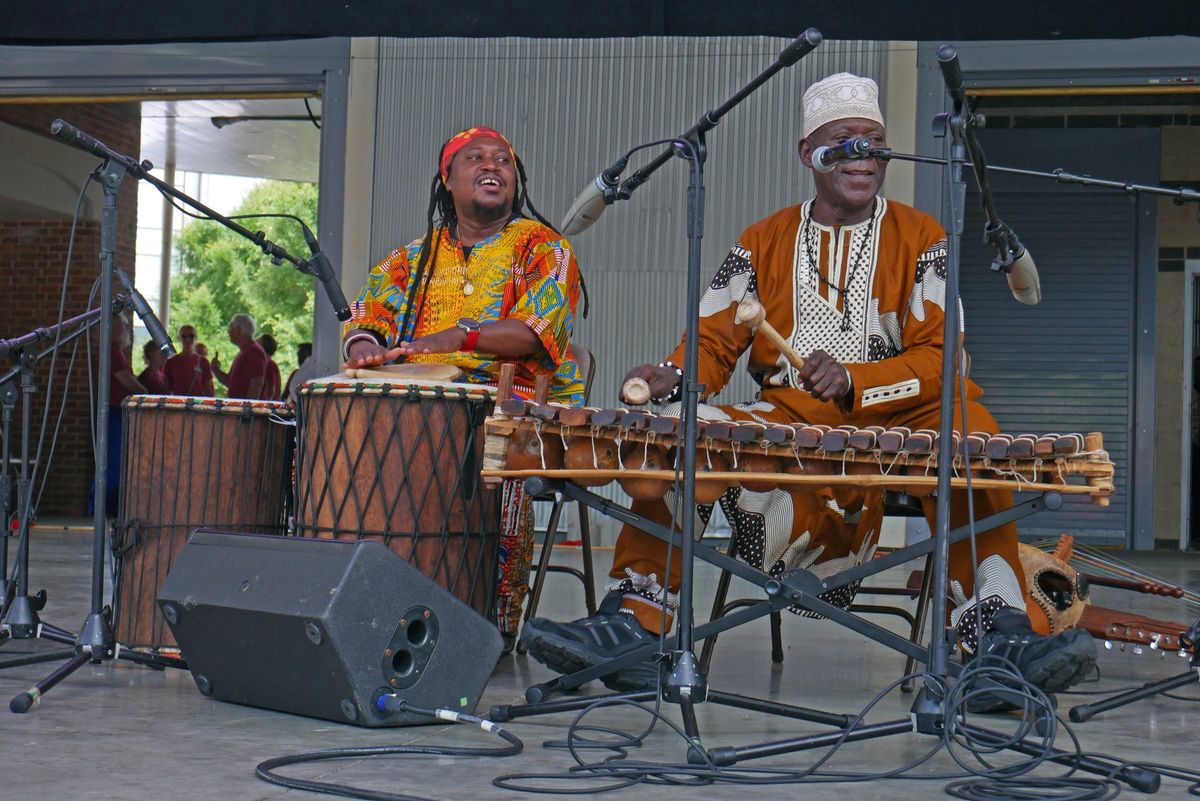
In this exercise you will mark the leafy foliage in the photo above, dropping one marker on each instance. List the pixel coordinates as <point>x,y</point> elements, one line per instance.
<point>224,274</point>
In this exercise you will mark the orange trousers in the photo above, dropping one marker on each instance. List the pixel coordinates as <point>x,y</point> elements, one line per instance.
<point>644,554</point>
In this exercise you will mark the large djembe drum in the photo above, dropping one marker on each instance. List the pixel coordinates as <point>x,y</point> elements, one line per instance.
<point>396,459</point>
<point>189,463</point>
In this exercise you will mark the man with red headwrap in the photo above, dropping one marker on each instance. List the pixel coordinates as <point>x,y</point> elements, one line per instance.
<point>490,282</point>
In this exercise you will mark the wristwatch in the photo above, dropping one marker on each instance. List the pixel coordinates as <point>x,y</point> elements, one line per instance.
<point>471,329</point>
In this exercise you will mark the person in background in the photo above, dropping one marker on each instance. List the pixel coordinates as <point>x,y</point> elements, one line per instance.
<point>303,354</point>
<point>246,375</point>
<point>153,378</point>
<point>188,372</point>
<point>270,390</point>
<point>122,384</point>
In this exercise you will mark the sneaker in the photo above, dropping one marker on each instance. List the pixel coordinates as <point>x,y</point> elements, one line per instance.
<point>1052,664</point>
<point>636,678</point>
<point>590,641</point>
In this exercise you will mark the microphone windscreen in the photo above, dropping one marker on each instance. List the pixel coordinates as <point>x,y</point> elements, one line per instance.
<point>1024,282</point>
<point>586,209</point>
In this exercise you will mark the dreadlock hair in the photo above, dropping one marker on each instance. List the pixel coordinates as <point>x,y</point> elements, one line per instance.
<point>441,216</point>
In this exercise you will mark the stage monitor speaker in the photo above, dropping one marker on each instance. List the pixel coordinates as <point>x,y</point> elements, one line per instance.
<point>323,628</point>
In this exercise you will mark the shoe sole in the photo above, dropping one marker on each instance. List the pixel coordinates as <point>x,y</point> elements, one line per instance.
<point>567,656</point>
<point>622,682</point>
<point>561,656</point>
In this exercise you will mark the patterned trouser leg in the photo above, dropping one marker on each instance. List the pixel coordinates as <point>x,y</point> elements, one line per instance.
<point>515,555</point>
<point>782,530</point>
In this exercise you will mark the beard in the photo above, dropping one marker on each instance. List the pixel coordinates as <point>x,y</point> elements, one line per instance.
<point>486,213</point>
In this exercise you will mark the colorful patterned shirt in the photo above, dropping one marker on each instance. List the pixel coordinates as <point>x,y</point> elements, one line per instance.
<point>525,271</point>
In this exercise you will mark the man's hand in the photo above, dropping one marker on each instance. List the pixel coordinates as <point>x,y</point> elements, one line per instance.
<point>662,380</point>
<point>824,377</point>
<point>449,340</point>
<point>367,352</point>
<point>215,364</point>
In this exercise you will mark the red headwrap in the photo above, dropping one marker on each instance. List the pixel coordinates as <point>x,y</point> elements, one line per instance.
<point>464,138</point>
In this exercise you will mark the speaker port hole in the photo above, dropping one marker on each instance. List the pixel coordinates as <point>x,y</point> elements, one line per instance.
<point>417,632</point>
<point>402,663</point>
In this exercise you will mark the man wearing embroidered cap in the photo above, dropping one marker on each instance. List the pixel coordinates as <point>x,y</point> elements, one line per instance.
<point>856,284</point>
<point>490,281</point>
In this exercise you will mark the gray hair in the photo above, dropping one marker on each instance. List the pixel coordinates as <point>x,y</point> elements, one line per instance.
<point>245,323</point>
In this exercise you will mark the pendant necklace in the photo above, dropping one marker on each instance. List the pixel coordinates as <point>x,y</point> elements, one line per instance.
<point>843,290</point>
<point>467,288</point>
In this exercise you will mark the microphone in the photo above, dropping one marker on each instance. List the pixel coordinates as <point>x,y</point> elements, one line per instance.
<point>826,157</point>
<point>592,201</point>
<point>78,139</point>
<point>162,340</point>
<point>323,270</point>
<point>1017,264</point>
<point>1022,277</point>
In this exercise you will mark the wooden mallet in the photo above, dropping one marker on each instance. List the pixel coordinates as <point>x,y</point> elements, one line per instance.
<point>750,312</point>
<point>636,392</point>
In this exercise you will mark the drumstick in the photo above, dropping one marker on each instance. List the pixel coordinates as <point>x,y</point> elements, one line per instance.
<point>636,392</point>
<point>750,312</point>
<point>504,387</point>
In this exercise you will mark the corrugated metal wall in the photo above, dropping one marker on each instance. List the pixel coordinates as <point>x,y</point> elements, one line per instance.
<point>571,107</point>
<point>1070,363</point>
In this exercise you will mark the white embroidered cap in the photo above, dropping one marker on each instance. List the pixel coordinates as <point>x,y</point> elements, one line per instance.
<point>840,97</point>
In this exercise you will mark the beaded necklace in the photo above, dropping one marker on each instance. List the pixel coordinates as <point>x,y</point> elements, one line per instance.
<point>842,290</point>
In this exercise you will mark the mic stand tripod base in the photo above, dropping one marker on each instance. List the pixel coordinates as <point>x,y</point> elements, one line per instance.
<point>22,622</point>
<point>685,682</point>
<point>928,711</point>
<point>96,637</point>
<point>1085,712</point>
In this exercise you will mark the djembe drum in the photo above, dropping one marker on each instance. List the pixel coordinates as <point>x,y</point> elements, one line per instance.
<point>190,463</point>
<point>396,458</point>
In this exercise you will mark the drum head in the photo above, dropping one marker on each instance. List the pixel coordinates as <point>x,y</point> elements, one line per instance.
<point>407,372</point>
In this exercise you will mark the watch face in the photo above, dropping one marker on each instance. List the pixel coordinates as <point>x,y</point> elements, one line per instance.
<point>468,325</point>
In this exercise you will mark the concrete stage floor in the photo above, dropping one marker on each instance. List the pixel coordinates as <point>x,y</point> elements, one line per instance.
<point>121,731</point>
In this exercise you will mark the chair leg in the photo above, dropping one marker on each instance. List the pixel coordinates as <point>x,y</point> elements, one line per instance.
<point>710,643</point>
<point>920,615</point>
<point>777,638</point>
<point>535,594</point>
<point>589,572</point>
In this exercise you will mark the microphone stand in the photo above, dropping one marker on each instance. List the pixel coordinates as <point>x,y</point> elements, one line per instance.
<point>1189,639</point>
<point>606,189</point>
<point>1180,194</point>
<point>18,609</point>
<point>94,642</point>
<point>685,682</point>
<point>317,266</point>
<point>804,44</point>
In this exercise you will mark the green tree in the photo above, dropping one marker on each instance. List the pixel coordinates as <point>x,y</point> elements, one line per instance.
<point>224,274</point>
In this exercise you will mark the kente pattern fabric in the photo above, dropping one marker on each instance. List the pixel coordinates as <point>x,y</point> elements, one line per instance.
<point>523,272</point>
<point>515,555</point>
